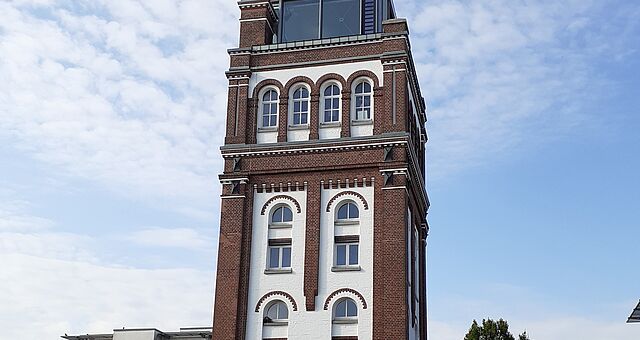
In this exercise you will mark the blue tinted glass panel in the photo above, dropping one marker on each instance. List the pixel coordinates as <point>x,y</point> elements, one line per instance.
<point>341,255</point>
<point>353,254</point>
<point>343,212</point>
<point>277,216</point>
<point>341,309</point>
<point>352,310</point>
<point>300,19</point>
<point>286,257</point>
<point>287,215</point>
<point>340,18</point>
<point>274,257</point>
<point>353,211</point>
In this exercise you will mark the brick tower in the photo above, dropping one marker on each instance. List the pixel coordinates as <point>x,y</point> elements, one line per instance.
<point>323,228</point>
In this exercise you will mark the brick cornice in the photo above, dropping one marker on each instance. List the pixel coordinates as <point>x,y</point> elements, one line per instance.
<point>348,193</point>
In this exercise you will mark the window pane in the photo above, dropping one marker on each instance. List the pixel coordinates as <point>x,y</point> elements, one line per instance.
<point>283,311</point>
<point>274,257</point>
<point>359,101</point>
<point>340,18</point>
<point>367,87</point>
<point>287,215</point>
<point>359,88</point>
<point>367,101</point>
<point>265,121</point>
<point>305,106</point>
<point>304,119</point>
<point>336,90</point>
<point>353,254</point>
<point>286,257</point>
<point>267,96</point>
<point>353,211</point>
<point>336,104</point>
<point>300,20</point>
<point>328,91</point>
<point>341,255</point>
<point>343,212</point>
<point>277,216</point>
<point>272,313</point>
<point>336,116</point>
<point>341,309</point>
<point>352,310</point>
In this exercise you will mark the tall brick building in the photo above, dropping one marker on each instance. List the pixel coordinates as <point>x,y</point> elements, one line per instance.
<point>323,228</point>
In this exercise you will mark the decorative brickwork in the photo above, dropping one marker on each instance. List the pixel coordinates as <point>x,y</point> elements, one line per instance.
<point>347,193</point>
<point>276,293</point>
<point>280,197</point>
<point>385,165</point>
<point>359,296</point>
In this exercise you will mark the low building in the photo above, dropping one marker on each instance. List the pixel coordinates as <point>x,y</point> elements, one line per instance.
<point>146,334</point>
<point>635,315</point>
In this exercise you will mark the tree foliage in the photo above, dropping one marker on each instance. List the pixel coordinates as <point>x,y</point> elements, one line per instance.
<point>492,330</point>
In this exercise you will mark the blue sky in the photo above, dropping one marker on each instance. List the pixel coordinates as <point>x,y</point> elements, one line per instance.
<point>112,112</point>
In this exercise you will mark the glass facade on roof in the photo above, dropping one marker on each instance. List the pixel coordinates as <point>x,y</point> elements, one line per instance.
<point>319,19</point>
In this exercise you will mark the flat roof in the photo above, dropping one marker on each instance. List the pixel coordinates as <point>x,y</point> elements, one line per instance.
<point>184,333</point>
<point>635,315</point>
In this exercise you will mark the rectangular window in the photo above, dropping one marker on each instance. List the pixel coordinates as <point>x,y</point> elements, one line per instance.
<point>340,18</point>
<point>347,254</point>
<point>280,257</point>
<point>300,20</point>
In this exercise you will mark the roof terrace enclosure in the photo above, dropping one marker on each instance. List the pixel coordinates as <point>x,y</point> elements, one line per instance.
<point>316,19</point>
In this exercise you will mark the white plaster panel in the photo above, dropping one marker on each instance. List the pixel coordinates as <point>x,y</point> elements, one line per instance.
<point>361,281</point>
<point>332,132</point>
<point>344,230</point>
<point>135,335</point>
<point>361,130</point>
<point>297,135</point>
<point>275,331</point>
<point>261,283</point>
<point>315,72</point>
<point>264,137</point>
<point>344,330</point>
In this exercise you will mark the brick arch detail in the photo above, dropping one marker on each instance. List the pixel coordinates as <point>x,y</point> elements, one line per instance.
<point>278,197</point>
<point>298,80</point>
<point>363,73</point>
<point>347,193</point>
<point>274,293</point>
<point>345,290</point>
<point>267,82</point>
<point>328,77</point>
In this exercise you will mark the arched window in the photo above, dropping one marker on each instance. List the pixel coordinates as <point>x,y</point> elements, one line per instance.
<point>345,310</point>
<point>362,99</point>
<point>269,109</point>
<point>279,251</point>
<point>300,113</point>
<point>331,104</point>
<point>276,312</point>
<point>348,211</point>
<point>282,214</point>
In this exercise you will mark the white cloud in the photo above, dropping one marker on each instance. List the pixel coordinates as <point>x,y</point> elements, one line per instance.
<point>103,96</point>
<point>501,74</point>
<point>15,217</point>
<point>173,238</point>
<point>44,298</point>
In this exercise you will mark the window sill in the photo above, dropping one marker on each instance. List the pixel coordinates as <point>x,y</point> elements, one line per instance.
<point>278,271</point>
<point>345,321</point>
<point>338,269</point>
<point>299,127</point>
<point>362,122</point>
<point>330,124</point>
<point>280,226</point>
<point>268,129</point>
<point>346,222</point>
<point>276,323</point>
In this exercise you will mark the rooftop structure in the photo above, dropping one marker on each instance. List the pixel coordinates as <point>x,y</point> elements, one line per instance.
<point>146,334</point>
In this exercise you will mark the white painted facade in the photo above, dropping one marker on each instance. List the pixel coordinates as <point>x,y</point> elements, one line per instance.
<point>315,325</point>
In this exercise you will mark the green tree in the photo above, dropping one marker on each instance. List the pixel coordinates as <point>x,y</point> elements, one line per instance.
<point>492,330</point>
